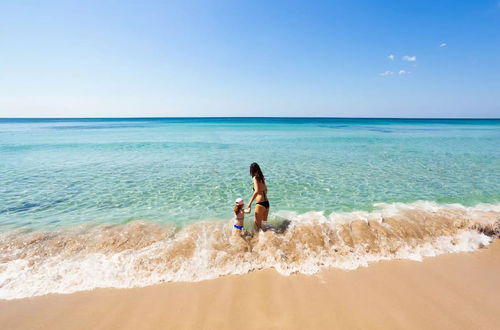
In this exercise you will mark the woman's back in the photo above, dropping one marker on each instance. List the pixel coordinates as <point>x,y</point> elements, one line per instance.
<point>261,189</point>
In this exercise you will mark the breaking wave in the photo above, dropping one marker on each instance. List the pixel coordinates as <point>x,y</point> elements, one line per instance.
<point>143,253</point>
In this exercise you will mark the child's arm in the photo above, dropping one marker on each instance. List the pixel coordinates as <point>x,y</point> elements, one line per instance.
<point>248,210</point>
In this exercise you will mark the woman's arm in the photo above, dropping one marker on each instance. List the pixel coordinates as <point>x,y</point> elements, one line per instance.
<point>255,192</point>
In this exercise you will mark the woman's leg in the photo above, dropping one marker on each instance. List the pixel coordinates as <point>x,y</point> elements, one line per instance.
<point>259,215</point>
<point>263,224</point>
<point>265,214</point>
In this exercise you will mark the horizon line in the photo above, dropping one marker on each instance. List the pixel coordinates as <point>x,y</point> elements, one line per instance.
<point>255,117</point>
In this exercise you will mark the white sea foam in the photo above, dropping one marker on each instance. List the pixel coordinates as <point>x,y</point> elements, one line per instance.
<point>144,253</point>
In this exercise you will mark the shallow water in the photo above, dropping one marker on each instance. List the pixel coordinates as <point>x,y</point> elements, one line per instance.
<point>132,202</point>
<point>68,172</point>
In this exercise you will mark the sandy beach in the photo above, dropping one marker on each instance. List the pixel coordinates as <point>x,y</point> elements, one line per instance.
<point>452,291</point>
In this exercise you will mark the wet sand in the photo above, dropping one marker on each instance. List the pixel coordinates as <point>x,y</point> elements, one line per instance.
<point>452,291</point>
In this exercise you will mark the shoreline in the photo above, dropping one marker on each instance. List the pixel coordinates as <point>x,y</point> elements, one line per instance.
<point>459,291</point>
<point>140,253</point>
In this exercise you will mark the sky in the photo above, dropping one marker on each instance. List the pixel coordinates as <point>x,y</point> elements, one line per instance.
<point>337,58</point>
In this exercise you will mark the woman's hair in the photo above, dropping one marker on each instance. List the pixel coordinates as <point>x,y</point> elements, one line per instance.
<point>256,172</point>
<point>237,208</point>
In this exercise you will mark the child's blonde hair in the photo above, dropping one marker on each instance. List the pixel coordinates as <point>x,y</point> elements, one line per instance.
<point>237,208</point>
<point>238,205</point>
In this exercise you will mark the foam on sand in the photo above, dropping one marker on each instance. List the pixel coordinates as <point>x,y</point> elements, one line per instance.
<point>144,253</point>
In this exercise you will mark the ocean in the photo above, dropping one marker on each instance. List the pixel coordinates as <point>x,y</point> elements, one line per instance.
<point>88,203</point>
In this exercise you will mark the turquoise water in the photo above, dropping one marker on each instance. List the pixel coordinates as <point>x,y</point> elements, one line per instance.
<point>71,189</point>
<point>64,172</point>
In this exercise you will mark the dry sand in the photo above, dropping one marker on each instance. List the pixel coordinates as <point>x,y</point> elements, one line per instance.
<point>454,291</point>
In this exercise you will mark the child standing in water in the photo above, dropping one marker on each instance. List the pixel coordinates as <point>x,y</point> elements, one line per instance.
<point>239,213</point>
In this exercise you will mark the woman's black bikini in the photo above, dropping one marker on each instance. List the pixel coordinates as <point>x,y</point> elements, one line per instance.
<point>264,203</point>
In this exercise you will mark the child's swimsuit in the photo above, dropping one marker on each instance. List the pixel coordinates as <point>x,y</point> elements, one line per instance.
<point>239,217</point>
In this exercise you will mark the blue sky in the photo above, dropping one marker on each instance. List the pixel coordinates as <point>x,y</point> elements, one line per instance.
<point>250,58</point>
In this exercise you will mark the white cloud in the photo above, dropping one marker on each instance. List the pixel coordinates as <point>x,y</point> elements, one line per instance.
<point>387,73</point>
<point>403,72</point>
<point>391,57</point>
<point>409,58</point>
<point>443,44</point>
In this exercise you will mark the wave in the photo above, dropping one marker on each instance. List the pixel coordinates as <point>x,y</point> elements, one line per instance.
<point>143,253</point>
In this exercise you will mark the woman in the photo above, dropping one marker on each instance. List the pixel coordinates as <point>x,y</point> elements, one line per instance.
<point>259,195</point>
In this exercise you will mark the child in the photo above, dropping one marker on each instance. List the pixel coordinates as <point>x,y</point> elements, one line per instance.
<point>239,212</point>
